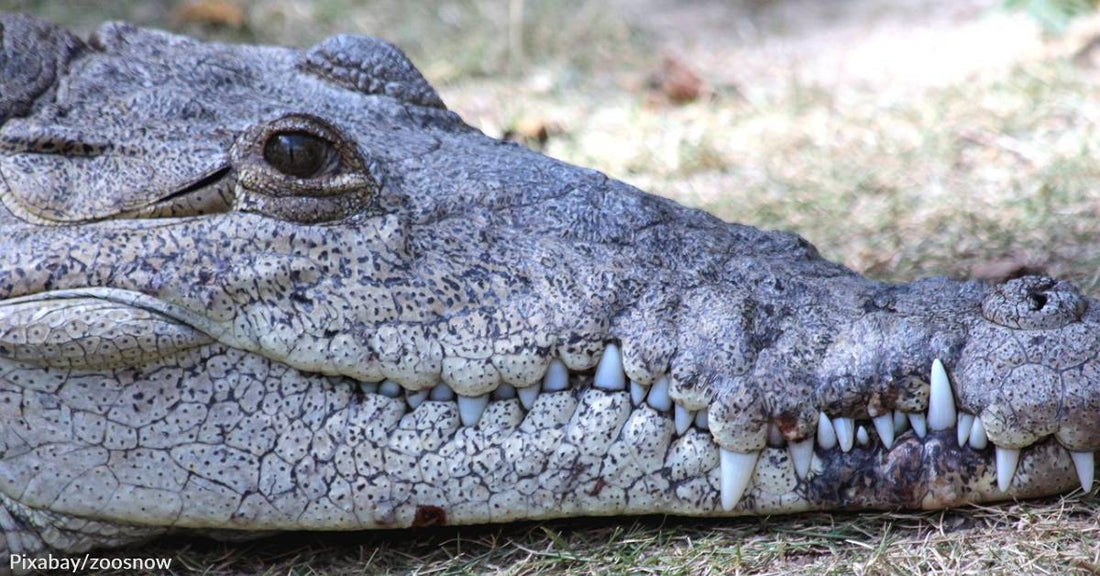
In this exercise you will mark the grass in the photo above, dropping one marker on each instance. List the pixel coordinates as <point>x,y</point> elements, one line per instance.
<point>995,168</point>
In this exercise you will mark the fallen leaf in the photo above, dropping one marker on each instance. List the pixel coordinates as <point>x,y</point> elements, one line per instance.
<point>210,12</point>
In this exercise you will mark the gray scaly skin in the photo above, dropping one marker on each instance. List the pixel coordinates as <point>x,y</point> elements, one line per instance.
<point>242,286</point>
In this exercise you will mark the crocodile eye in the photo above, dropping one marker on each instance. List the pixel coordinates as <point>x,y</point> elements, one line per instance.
<point>297,154</point>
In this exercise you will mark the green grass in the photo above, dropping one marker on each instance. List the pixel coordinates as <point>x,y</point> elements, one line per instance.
<point>1001,167</point>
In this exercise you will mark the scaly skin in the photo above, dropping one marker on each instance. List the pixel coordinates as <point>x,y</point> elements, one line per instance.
<point>198,334</point>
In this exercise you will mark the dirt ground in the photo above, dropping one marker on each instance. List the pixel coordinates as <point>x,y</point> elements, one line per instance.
<point>902,138</point>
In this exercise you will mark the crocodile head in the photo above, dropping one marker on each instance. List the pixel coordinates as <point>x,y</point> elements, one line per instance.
<point>255,288</point>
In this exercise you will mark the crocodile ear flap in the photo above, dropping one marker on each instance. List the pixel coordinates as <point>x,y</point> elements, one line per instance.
<point>33,55</point>
<point>370,66</point>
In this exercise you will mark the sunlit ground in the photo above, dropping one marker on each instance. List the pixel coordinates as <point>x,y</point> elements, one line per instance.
<point>936,137</point>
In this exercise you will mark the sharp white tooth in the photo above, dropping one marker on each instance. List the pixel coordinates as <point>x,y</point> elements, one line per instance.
<point>441,393</point>
<point>529,394</point>
<point>862,437</point>
<point>1085,464</point>
<point>557,377</point>
<point>978,439</point>
<point>802,453</point>
<point>884,425</point>
<point>658,395</point>
<point>920,425</point>
<point>901,422</point>
<point>682,418</point>
<point>826,436</point>
<point>416,398</point>
<point>1007,459</point>
<point>637,393</point>
<point>504,392</point>
<point>368,387</point>
<point>966,422</point>
<point>845,432</point>
<point>609,373</point>
<point>736,471</point>
<point>702,419</point>
<point>470,408</point>
<point>390,388</point>
<point>941,400</point>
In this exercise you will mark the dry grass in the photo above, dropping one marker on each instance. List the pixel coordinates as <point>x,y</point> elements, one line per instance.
<point>991,167</point>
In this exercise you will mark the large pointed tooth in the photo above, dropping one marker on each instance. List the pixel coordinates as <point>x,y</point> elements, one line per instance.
<point>966,422</point>
<point>802,453</point>
<point>1007,459</point>
<point>390,388</point>
<point>826,436</point>
<point>736,470</point>
<point>901,422</point>
<point>702,419</point>
<point>637,393</point>
<point>845,432</point>
<point>557,377</point>
<point>682,418</point>
<point>920,425</point>
<point>978,439</point>
<point>862,437</point>
<point>441,393</point>
<point>470,408</point>
<point>1085,464</point>
<point>528,395</point>
<point>416,398</point>
<point>941,400</point>
<point>658,396</point>
<point>884,425</point>
<point>609,373</point>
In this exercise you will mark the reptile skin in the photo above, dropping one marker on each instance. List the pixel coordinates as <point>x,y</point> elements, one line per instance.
<point>247,289</point>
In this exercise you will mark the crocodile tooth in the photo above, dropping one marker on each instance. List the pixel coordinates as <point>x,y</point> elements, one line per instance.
<point>557,377</point>
<point>528,395</point>
<point>941,400</point>
<point>470,408</point>
<point>637,393</point>
<point>845,432</point>
<point>416,398</point>
<point>1085,464</point>
<point>966,422</point>
<point>901,422</point>
<point>441,393</point>
<point>609,373</point>
<point>1007,459</point>
<point>682,418</point>
<point>702,419</point>
<point>978,439</point>
<point>884,425</point>
<point>826,436</point>
<point>658,395</point>
<point>390,388</point>
<point>920,425</point>
<point>802,454</point>
<point>504,392</point>
<point>368,387</point>
<point>736,470</point>
<point>862,437</point>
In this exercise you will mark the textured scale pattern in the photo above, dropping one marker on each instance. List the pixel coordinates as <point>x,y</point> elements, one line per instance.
<point>438,327</point>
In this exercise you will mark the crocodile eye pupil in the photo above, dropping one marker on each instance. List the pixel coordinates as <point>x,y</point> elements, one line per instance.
<point>296,153</point>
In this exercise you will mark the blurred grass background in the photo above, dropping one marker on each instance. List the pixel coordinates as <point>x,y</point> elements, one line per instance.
<point>903,139</point>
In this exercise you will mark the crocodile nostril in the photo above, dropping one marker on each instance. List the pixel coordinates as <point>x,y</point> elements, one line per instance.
<point>1034,303</point>
<point>1037,300</point>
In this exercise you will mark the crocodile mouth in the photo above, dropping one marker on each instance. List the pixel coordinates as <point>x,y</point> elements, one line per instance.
<point>187,400</point>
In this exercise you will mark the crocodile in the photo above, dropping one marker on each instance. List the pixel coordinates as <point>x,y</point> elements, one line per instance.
<point>249,289</point>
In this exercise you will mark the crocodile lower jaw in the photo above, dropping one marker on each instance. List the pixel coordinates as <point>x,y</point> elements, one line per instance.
<point>934,459</point>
